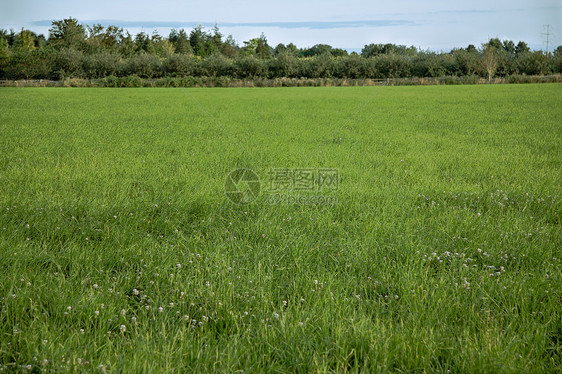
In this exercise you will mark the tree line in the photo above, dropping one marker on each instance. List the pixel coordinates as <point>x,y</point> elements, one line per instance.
<point>73,50</point>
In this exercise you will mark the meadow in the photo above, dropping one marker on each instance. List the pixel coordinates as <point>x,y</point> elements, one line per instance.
<point>120,251</point>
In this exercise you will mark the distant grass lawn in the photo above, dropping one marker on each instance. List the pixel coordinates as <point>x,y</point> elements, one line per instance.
<point>120,251</point>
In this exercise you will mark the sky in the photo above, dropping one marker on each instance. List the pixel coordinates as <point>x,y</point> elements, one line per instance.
<point>431,24</point>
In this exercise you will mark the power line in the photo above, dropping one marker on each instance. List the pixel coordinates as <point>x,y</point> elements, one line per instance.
<point>547,34</point>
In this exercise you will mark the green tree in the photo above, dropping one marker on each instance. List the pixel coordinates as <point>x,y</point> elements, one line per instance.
<point>202,42</point>
<point>180,41</point>
<point>229,48</point>
<point>4,56</point>
<point>25,41</point>
<point>557,60</point>
<point>67,33</point>
<point>258,47</point>
<point>521,48</point>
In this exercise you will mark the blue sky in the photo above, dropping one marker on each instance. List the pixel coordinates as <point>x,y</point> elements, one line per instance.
<point>431,24</point>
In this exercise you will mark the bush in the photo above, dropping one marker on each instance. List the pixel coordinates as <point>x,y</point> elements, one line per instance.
<point>111,81</point>
<point>101,65</point>
<point>532,63</point>
<point>285,65</point>
<point>393,66</point>
<point>216,66</point>
<point>250,67</point>
<point>350,67</point>
<point>143,65</point>
<point>321,66</point>
<point>179,65</point>
<point>28,64</point>
<point>131,81</point>
<point>67,63</point>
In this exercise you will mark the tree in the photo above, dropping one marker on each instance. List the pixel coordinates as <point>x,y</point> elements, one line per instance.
<point>494,43</point>
<point>490,61</point>
<point>101,38</point>
<point>180,41</point>
<point>370,50</point>
<point>202,42</point>
<point>557,60</point>
<point>316,50</point>
<point>67,33</point>
<point>521,48</point>
<point>229,48</point>
<point>127,47</point>
<point>509,46</point>
<point>143,43</point>
<point>467,61</point>
<point>25,41</point>
<point>4,55</point>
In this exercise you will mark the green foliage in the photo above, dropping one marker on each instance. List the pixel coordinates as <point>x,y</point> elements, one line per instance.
<point>204,43</point>
<point>98,51</point>
<point>67,33</point>
<point>143,65</point>
<point>250,67</point>
<point>257,47</point>
<point>104,39</point>
<point>25,41</point>
<point>321,66</point>
<point>557,60</point>
<point>371,50</point>
<point>179,65</point>
<point>67,63</point>
<point>284,65</point>
<point>180,41</point>
<point>532,63</point>
<point>102,64</point>
<point>467,62</point>
<point>216,65</point>
<point>30,64</point>
<point>393,66</point>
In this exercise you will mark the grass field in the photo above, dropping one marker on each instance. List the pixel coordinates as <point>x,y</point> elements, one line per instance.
<point>119,249</point>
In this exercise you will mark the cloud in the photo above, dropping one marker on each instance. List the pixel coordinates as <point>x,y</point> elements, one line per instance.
<point>283,25</point>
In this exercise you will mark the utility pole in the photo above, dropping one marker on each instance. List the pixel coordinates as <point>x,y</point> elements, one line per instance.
<point>547,34</point>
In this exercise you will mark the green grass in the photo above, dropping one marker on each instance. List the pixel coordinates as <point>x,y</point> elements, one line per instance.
<point>443,251</point>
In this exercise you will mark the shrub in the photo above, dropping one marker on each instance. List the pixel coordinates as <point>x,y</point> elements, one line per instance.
<point>131,81</point>
<point>532,63</point>
<point>284,65</point>
<point>67,63</point>
<point>179,65</point>
<point>216,66</point>
<point>143,65</point>
<point>101,65</point>
<point>250,67</point>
